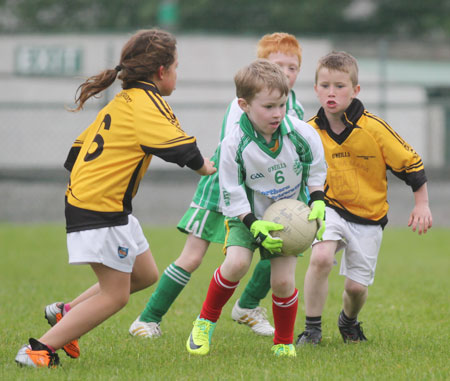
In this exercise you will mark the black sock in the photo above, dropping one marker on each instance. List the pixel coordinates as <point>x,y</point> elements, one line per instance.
<point>344,320</point>
<point>313,322</point>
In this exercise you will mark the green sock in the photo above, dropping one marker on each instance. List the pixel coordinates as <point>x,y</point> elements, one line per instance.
<point>169,287</point>
<point>258,286</point>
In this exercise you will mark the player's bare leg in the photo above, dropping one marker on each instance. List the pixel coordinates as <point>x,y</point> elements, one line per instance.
<point>236,263</point>
<point>316,278</point>
<point>144,274</point>
<point>113,295</point>
<point>354,297</point>
<point>173,280</point>
<point>316,290</point>
<point>193,252</point>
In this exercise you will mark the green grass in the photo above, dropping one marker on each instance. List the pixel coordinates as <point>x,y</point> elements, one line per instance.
<point>405,318</point>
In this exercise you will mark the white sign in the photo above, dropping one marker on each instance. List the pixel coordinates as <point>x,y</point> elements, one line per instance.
<point>48,60</point>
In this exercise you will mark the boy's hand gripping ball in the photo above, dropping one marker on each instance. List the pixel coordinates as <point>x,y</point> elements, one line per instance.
<point>299,232</point>
<point>261,231</point>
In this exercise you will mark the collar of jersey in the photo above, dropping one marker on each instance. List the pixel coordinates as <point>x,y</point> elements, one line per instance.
<point>350,119</point>
<point>292,105</point>
<point>247,128</point>
<point>149,86</point>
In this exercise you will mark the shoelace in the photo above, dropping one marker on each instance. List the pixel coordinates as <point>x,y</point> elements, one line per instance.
<point>356,330</point>
<point>153,328</point>
<point>360,331</point>
<point>204,327</point>
<point>282,349</point>
<point>259,312</point>
<point>54,360</point>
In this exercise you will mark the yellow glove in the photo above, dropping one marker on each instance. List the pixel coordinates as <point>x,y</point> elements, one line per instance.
<point>318,213</point>
<point>261,231</point>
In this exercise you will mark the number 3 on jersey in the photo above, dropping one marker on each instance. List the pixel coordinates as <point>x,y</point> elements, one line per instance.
<point>98,140</point>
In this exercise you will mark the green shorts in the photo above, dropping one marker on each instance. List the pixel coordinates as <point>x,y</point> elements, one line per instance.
<point>237,234</point>
<point>203,223</point>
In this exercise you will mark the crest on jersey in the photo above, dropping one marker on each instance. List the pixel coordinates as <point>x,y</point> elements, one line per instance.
<point>122,251</point>
<point>297,167</point>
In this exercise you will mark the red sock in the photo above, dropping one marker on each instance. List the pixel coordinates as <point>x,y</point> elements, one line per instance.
<point>284,314</point>
<point>219,292</point>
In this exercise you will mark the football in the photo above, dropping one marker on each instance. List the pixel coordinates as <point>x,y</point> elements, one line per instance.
<point>298,233</point>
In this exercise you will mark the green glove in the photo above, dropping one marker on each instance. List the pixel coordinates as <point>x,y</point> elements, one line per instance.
<point>318,213</point>
<point>261,231</point>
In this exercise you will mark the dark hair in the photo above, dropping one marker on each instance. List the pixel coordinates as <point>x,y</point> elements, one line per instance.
<point>141,57</point>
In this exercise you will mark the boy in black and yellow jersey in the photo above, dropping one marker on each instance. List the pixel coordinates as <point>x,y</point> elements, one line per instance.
<point>107,163</point>
<point>359,148</point>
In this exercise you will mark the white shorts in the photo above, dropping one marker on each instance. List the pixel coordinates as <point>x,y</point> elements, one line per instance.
<point>116,247</point>
<point>361,245</point>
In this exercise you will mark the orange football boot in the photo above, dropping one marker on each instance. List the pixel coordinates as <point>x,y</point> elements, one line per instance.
<point>53,314</point>
<point>37,355</point>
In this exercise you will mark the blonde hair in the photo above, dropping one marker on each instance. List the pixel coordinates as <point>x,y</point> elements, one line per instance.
<point>259,75</point>
<point>279,42</point>
<point>340,61</point>
<point>141,57</point>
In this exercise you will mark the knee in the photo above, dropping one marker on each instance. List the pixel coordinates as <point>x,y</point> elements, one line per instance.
<point>322,260</point>
<point>355,289</point>
<point>192,254</point>
<point>194,265</point>
<point>152,277</point>
<point>283,287</point>
<point>122,300</point>
<point>238,267</point>
<point>141,282</point>
<point>189,263</point>
<point>235,269</point>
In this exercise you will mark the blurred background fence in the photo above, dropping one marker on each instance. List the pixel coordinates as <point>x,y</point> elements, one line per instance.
<point>404,79</point>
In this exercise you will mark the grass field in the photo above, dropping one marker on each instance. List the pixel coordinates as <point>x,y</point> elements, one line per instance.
<point>406,318</point>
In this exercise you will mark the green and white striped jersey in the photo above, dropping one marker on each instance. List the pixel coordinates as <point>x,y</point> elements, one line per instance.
<point>207,194</point>
<point>252,176</point>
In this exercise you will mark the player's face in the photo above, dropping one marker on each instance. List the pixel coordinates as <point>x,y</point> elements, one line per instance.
<point>289,63</point>
<point>335,90</point>
<point>265,111</point>
<point>169,78</point>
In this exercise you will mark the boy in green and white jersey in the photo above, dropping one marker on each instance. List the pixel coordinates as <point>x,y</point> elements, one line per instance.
<point>204,222</point>
<point>266,159</point>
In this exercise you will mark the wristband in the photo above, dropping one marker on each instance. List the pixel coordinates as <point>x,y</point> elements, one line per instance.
<point>249,219</point>
<point>315,196</point>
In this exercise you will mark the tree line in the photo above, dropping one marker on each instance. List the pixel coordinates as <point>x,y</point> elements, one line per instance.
<point>393,18</point>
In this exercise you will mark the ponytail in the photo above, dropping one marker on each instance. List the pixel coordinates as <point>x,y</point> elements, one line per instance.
<point>141,57</point>
<point>94,85</point>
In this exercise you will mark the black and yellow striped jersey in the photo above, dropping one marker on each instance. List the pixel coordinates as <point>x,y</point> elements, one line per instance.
<point>356,185</point>
<point>109,159</point>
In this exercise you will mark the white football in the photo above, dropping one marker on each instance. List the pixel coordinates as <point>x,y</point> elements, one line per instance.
<point>298,233</point>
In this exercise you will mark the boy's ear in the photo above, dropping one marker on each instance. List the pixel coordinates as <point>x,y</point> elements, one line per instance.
<point>243,104</point>
<point>356,90</point>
